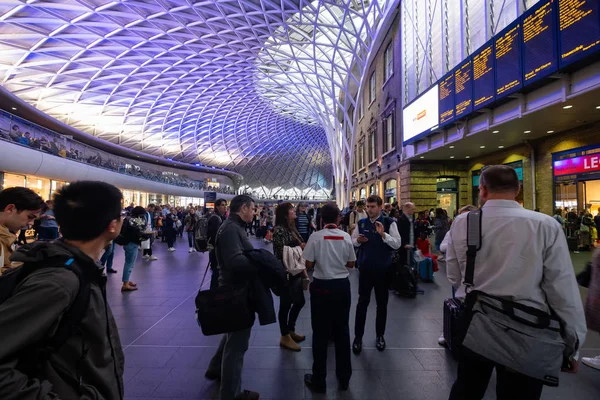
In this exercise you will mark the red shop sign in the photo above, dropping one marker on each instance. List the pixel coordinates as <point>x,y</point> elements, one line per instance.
<point>577,165</point>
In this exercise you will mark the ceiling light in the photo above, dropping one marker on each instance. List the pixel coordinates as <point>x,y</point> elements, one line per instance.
<point>496,132</point>
<point>500,147</point>
<point>422,157</point>
<point>550,132</point>
<point>597,107</point>
<point>527,132</point>
<point>567,107</point>
<point>451,156</point>
<point>14,108</point>
<point>467,156</point>
<point>482,147</point>
<point>451,147</point>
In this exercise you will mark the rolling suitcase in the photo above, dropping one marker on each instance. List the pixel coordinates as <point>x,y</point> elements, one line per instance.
<point>453,331</point>
<point>404,278</point>
<point>426,270</point>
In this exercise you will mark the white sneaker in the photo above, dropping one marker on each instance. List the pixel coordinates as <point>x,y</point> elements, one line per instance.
<point>146,256</point>
<point>592,362</point>
<point>442,341</point>
<point>191,250</point>
<point>171,248</point>
<point>194,250</point>
<point>152,258</point>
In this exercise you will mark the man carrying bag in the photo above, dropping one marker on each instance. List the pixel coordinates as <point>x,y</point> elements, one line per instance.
<point>523,309</point>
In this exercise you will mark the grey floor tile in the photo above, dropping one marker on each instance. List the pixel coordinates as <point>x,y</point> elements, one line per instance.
<point>149,357</point>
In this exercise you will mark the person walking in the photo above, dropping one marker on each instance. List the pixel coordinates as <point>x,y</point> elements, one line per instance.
<point>592,307</point>
<point>376,237</point>
<point>330,253</point>
<point>190,227</point>
<point>150,226</point>
<point>231,245</point>
<point>18,207</point>
<point>291,299</point>
<point>68,345</point>
<point>523,258</point>
<point>48,226</point>
<point>132,235</point>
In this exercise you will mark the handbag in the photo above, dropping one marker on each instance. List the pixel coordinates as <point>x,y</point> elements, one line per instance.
<point>145,244</point>
<point>584,277</point>
<point>293,261</point>
<point>522,338</point>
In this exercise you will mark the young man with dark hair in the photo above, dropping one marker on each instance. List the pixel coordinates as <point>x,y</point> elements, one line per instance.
<point>213,224</point>
<point>523,256</point>
<point>62,291</point>
<point>231,245</point>
<point>377,237</point>
<point>330,252</point>
<point>18,208</point>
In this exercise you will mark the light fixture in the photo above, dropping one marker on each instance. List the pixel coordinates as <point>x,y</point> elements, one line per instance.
<point>567,107</point>
<point>482,147</point>
<point>451,156</point>
<point>597,107</point>
<point>550,132</point>
<point>422,157</point>
<point>14,108</point>
<point>496,132</point>
<point>500,147</point>
<point>451,147</point>
<point>467,156</point>
<point>527,132</point>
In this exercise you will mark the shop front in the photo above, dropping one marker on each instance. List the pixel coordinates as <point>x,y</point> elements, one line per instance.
<point>517,166</point>
<point>44,187</point>
<point>447,194</point>
<point>390,189</point>
<point>577,179</point>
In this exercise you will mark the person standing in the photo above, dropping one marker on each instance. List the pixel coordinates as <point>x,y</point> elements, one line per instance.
<point>291,299</point>
<point>18,207</point>
<point>440,227</point>
<point>170,230</point>
<point>407,230</point>
<point>108,257</point>
<point>592,307</point>
<point>356,216</point>
<point>303,222</point>
<point>524,258</point>
<point>190,227</point>
<point>150,225</point>
<point>231,245</point>
<point>48,226</point>
<point>132,234</point>
<point>377,237</point>
<point>88,361</point>
<point>213,224</point>
<point>330,253</point>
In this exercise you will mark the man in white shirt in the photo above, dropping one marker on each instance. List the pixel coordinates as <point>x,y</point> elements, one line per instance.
<point>524,258</point>
<point>376,237</point>
<point>330,252</point>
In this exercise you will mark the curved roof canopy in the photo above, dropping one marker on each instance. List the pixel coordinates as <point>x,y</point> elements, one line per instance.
<point>249,85</point>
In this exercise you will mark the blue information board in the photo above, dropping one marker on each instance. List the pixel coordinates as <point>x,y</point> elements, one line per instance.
<point>509,72</point>
<point>484,85</point>
<point>463,89</point>
<point>540,53</point>
<point>446,103</point>
<point>579,29</point>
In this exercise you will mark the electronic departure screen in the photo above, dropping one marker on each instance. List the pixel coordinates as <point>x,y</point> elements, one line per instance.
<point>579,29</point>
<point>508,60</point>
<point>463,89</point>
<point>539,44</point>
<point>483,76</point>
<point>446,107</point>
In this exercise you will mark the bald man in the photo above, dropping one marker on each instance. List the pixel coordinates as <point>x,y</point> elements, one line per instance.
<point>406,227</point>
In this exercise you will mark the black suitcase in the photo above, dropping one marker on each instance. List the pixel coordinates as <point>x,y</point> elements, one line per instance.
<point>572,242</point>
<point>453,325</point>
<point>404,278</point>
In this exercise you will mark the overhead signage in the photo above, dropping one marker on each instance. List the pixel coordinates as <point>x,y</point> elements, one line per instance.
<point>446,100</point>
<point>463,89</point>
<point>509,71</point>
<point>539,44</point>
<point>421,115</point>
<point>484,89</point>
<point>579,29</point>
<point>577,165</point>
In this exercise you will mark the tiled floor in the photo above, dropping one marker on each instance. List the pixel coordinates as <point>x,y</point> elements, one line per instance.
<point>166,353</point>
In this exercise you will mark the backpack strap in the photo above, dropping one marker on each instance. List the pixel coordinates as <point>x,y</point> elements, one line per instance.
<point>474,239</point>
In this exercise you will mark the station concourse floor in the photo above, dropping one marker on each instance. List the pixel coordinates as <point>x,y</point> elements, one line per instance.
<point>166,353</point>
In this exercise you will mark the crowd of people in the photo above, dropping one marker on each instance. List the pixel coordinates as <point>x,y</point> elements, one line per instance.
<point>521,259</point>
<point>57,145</point>
<point>581,228</point>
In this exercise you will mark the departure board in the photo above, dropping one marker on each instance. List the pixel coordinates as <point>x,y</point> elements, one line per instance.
<point>484,88</point>
<point>579,29</point>
<point>508,60</point>
<point>463,90</point>
<point>539,44</point>
<point>446,103</point>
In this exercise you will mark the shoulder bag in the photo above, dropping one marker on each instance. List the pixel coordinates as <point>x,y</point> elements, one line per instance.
<point>521,338</point>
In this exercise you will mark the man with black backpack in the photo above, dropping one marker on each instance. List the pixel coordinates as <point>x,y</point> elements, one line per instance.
<point>67,346</point>
<point>376,237</point>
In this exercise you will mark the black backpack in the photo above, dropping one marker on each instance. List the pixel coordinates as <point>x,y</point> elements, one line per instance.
<point>69,324</point>
<point>346,221</point>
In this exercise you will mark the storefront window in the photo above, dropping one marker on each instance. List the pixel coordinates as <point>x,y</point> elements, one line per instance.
<point>371,190</point>
<point>363,194</point>
<point>447,195</point>
<point>577,180</point>
<point>39,185</point>
<point>390,191</point>
<point>13,180</point>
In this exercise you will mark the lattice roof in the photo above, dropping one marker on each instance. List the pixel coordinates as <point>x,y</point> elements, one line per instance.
<point>248,85</point>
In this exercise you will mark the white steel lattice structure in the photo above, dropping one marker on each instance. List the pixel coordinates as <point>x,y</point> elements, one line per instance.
<point>249,85</point>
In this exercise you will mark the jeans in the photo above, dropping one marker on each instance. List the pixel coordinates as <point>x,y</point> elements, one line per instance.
<point>474,374</point>
<point>291,302</point>
<point>228,362</point>
<point>369,279</point>
<point>330,311</point>
<point>48,233</point>
<point>170,235</point>
<point>191,236</point>
<point>131,251</point>
<point>108,256</point>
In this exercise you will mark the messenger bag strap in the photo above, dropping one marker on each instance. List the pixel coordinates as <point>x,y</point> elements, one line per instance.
<point>473,244</point>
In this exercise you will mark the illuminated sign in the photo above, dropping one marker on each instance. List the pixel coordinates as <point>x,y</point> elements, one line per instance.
<point>446,99</point>
<point>539,41</point>
<point>484,91</point>
<point>463,90</point>
<point>577,165</point>
<point>579,29</point>
<point>508,61</point>
<point>421,115</point>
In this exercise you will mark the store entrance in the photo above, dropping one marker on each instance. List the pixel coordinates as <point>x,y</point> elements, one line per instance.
<point>447,195</point>
<point>579,195</point>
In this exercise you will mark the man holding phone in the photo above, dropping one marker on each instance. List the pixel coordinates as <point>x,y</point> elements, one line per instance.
<point>377,237</point>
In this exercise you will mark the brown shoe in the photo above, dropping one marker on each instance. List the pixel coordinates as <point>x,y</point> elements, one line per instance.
<point>288,343</point>
<point>247,395</point>
<point>297,337</point>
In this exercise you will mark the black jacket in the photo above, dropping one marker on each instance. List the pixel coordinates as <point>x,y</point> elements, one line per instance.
<point>404,230</point>
<point>271,276</point>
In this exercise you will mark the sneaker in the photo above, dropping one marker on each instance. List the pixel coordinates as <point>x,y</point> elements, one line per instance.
<point>194,250</point>
<point>191,250</point>
<point>152,258</point>
<point>592,362</point>
<point>111,270</point>
<point>146,256</point>
<point>171,249</point>
<point>442,341</point>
